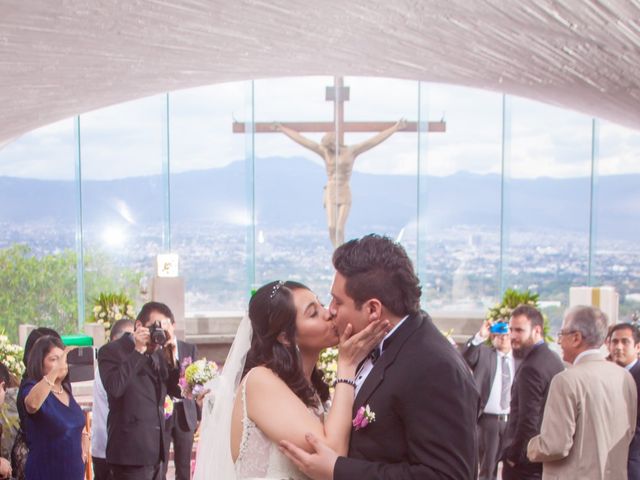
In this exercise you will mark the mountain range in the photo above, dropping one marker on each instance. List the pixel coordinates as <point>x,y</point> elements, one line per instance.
<point>288,191</point>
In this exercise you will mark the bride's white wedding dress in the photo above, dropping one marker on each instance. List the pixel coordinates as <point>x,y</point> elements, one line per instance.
<point>259,457</point>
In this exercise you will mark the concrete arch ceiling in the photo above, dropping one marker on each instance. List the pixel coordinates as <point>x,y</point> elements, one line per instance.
<point>58,59</point>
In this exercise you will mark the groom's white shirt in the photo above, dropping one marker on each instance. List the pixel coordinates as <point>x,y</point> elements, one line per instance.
<point>367,366</point>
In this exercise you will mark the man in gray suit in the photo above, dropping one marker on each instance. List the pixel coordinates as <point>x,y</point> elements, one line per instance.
<point>590,415</point>
<point>493,370</point>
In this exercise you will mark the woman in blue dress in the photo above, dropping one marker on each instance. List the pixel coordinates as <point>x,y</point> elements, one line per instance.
<point>54,421</point>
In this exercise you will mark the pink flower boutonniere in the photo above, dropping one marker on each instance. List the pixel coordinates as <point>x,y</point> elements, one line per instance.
<point>364,416</point>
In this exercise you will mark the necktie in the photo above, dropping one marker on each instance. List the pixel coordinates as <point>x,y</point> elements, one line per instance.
<point>374,355</point>
<point>505,392</point>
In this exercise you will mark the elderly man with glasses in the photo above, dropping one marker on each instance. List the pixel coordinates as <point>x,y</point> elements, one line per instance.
<point>590,415</point>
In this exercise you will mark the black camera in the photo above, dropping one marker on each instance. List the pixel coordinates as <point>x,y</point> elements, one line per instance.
<point>158,335</point>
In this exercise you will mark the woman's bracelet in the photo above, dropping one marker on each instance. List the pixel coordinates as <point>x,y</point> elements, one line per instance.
<point>348,381</point>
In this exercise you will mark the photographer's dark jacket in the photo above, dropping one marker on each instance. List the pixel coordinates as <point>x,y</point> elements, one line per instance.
<point>136,386</point>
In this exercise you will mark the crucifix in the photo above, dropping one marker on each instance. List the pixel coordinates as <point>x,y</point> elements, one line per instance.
<point>338,157</point>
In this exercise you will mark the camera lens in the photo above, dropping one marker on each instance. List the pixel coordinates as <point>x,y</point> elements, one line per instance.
<point>158,336</point>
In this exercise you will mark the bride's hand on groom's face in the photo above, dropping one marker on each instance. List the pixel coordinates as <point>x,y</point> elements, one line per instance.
<point>354,347</point>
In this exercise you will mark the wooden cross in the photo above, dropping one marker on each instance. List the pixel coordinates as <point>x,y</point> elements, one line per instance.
<point>338,94</point>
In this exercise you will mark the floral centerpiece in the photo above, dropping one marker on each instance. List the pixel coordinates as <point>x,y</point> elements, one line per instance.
<point>194,375</point>
<point>111,307</point>
<point>501,312</point>
<point>11,357</point>
<point>328,364</point>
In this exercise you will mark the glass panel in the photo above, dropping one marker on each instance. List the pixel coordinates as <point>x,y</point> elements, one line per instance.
<point>122,149</point>
<point>208,192</point>
<point>548,203</point>
<point>291,228</point>
<point>617,239</point>
<point>37,231</point>
<point>460,199</point>
<point>384,183</point>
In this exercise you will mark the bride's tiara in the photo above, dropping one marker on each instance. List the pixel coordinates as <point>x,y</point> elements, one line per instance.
<point>276,288</point>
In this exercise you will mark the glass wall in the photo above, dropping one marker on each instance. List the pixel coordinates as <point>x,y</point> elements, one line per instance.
<point>460,218</point>
<point>548,198</point>
<point>37,230</point>
<point>291,237</point>
<point>209,209</point>
<point>122,150</point>
<point>616,238</point>
<point>502,198</point>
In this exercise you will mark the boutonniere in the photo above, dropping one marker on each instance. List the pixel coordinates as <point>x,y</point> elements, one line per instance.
<point>364,416</point>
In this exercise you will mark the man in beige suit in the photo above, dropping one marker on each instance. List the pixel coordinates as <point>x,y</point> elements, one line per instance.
<point>590,415</point>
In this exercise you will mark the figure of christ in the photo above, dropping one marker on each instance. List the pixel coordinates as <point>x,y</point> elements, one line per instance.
<point>339,166</point>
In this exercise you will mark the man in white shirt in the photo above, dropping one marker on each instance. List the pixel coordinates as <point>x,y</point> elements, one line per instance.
<point>590,415</point>
<point>624,346</point>
<point>100,411</point>
<point>493,370</point>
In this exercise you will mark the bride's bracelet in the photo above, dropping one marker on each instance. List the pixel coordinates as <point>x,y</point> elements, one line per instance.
<point>348,381</point>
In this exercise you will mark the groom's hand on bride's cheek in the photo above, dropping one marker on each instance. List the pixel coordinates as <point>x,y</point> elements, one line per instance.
<point>317,465</point>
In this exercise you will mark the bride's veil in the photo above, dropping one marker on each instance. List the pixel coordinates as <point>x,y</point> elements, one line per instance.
<point>213,459</point>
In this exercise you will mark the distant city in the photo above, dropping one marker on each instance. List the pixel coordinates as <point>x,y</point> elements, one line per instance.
<point>459,267</point>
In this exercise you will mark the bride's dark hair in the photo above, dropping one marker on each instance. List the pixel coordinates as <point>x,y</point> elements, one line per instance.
<point>272,312</point>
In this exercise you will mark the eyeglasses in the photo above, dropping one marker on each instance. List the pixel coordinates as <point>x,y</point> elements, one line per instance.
<point>564,333</point>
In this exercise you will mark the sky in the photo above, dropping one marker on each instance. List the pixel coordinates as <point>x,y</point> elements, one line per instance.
<point>129,139</point>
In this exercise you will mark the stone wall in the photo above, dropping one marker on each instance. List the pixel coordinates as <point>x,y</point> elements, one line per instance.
<point>213,333</point>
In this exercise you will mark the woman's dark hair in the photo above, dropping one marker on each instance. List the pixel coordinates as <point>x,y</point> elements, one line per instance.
<point>272,312</point>
<point>33,337</point>
<point>40,350</point>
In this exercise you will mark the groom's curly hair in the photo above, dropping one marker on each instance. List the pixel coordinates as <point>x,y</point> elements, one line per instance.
<point>272,312</point>
<point>377,267</point>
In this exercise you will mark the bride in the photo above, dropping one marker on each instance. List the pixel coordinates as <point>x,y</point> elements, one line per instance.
<point>270,389</point>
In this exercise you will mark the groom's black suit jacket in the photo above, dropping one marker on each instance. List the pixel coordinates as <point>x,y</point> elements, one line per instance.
<point>426,406</point>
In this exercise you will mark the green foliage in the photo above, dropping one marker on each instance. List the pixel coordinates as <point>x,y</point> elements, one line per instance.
<point>41,290</point>
<point>501,312</point>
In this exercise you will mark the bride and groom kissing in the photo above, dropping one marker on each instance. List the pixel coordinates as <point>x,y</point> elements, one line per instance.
<point>404,404</point>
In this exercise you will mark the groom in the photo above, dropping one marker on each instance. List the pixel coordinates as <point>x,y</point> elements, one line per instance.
<point>423,395</point>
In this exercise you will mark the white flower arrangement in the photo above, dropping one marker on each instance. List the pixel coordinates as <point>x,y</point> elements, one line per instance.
<point>11,357</point>
<point>111,307</point>
<point>328,363</point>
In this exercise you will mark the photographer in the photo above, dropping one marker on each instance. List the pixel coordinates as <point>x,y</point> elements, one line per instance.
<point>135,375</point>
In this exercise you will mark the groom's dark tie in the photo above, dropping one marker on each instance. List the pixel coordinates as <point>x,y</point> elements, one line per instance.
<point>374,355</point>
